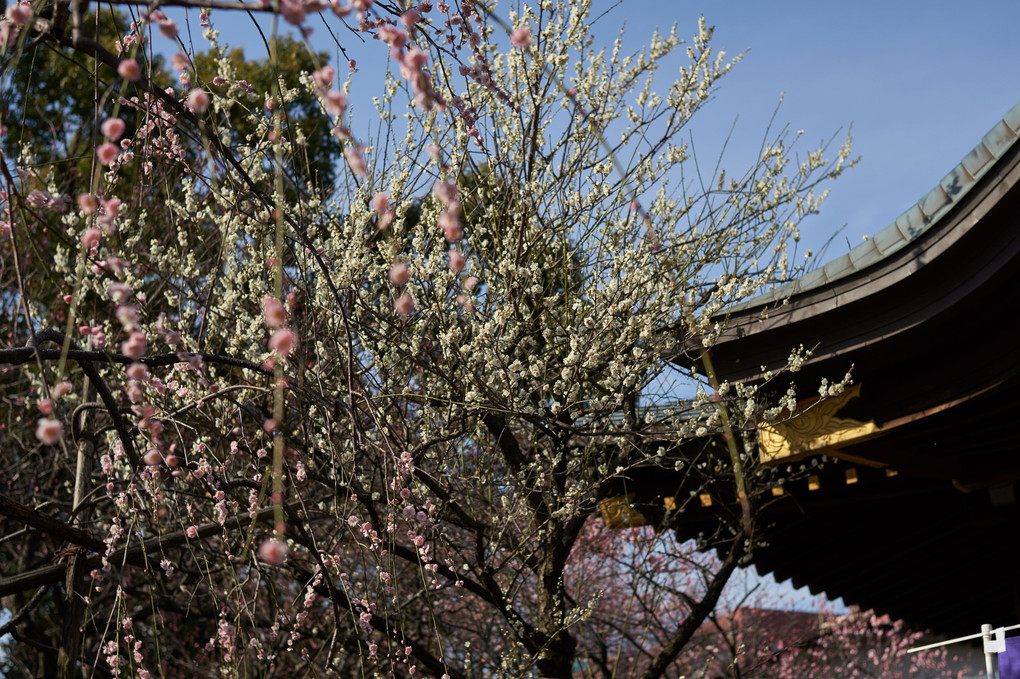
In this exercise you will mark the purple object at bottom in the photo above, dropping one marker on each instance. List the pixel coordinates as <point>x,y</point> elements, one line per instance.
<point>1009,660</point>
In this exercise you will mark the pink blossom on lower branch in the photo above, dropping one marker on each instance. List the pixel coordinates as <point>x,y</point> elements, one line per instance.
<point>520,38</point>
<point>49,431</point>
<point>198,100</point>
<point>273,552</point>
<point>400,273</point>
<point>356,160</point>
<point>404,305</point>
<point>283,341</point>
<point>129,70</point>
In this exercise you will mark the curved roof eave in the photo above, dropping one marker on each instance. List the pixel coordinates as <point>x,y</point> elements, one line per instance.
<point>915,221</point>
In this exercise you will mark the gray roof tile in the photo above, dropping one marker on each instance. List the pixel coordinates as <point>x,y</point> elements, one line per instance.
<point>977,160</point>
<point>999,138</point>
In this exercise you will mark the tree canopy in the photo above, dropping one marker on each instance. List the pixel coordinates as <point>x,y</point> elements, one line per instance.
<point>269,414</point>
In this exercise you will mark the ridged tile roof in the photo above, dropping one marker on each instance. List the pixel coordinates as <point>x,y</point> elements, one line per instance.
<point>916,220</point>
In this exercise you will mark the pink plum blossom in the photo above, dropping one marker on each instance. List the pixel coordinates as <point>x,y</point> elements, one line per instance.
<point>356,160</point>
<point>404,305</point>
<point>449,222</point>
<point>168,28</point>
<point>113,128</point>
<point>415,60</point>
<point>134,346</point>
<point>457,261</point>
<point>400,273</point>
<point>90,238</point>
<point>138,371</point>
<point>283,342</point>
<point>381,202</point>
<point>49,431</point>
<point>521,38</point>
<point>180,61</point>
<point>393,36</point>
<point>107,153</point>
<point>445,192</point>
<point>410,18</point>
<point>119,292</point>
<point>273,551</point>
<point>19,14</point>
<point>127,314</point>
<point>112,206</point>
<point>324,76</point>
<point>198,100</point>
<point>293,12</point>
<point>273,313</point>
<point>335,102</point>
<point>129,70</point>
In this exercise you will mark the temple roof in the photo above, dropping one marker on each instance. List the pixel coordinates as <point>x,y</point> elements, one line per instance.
<point>915,220</point>
<point>913,511</point>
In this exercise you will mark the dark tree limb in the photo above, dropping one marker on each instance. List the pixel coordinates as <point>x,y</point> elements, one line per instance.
<point>133,555</point>
<point>49,525</point>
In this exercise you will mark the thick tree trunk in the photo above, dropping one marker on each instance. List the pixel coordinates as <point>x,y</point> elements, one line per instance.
<point>557,661</point>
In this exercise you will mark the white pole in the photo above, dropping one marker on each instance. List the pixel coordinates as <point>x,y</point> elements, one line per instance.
<point>986,635</point>
<point>915,649</point>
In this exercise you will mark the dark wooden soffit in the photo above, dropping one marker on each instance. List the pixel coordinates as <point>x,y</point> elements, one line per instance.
<point>916,513</point>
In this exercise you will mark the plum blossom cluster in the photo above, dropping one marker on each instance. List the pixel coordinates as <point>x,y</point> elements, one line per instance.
<point>366,425</point>
<point>15,17</point>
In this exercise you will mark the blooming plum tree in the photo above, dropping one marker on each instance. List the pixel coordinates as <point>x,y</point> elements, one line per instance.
<point>774,644</point>
<point>259,423</point>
